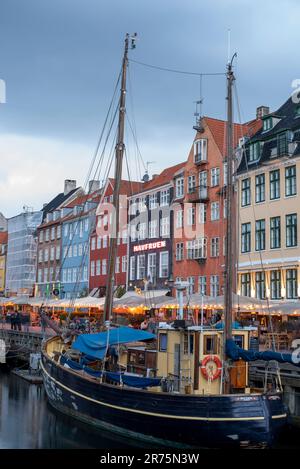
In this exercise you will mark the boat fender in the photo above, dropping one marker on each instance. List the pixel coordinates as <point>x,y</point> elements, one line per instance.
<point>208,370</point>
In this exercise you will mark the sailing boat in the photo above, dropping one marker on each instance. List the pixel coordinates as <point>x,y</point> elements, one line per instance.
<point>192,394</point>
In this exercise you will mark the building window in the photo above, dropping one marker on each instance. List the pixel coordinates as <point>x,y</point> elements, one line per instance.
<point>179,219</point>
<point>52,253</point>
<point>191,216</point>
<point>66,230</point>
<point>260,235</point>
<point>200,150</point>
<point>152,201</point>
<point>41,237</point>
<point>191,288</point>
<point>260,188</point>
<point>225,174</point>
<point>225,208</point>
<point>132,268</point>
<point>117,266</point>
<point>290,181</point>
<point>105,239</point>
<point>203,184</point>
<point>152,267</point>
<point>291,284</point>
<point>260,285</point>
<point>191,184</point>
<point>124,263</point>
<point>267,124</point>
<point>163,342</point>
<point>46,255</point>
<point>133,233</point>
<point>74,274</point>
<point>246,192</point>
<point>93,244</point>
<point>179,187</point>
<point>165,226</point>
<point>69,275</point>
<point>142,204</point>
<point>104,267</point>
<point>85,273</point>
<point>142,231</point>
<point>245,285</point>
<point>275,233</point>
<point>215,247</point>
<point>141,267</point>
<point>254,151</point>
<point>58,232</point>
<point>179,251</point>
<point>215,211</point>
<point>202,213</point>
<point>275,284</point>
<point>202,284</point>
<point>98,267</point>
<point>274,184</point>
<point>282,144</point>
<point>92,268</point>
<point>214,285</point>
<point>164,197</point>
<point>291,230</point>
<point>98,242</point>
<point>41,252</point>
<point>164,264</point>
<point>53,233</point>
<point>40,276</point>
<point>215,177</point>
<point>57,253</point>
<point>124,237</point>
<point>153,229</point>
<point>246,237</point>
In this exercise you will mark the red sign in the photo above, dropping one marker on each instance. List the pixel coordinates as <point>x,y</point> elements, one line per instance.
<point>148,246</point>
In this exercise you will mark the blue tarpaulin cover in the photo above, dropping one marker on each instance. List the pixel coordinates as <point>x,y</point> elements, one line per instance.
<point>129,380</point>
<point>94,345</point>
<point>235,352</point>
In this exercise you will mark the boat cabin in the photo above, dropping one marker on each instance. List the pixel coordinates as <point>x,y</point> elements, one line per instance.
<point>191,359</point>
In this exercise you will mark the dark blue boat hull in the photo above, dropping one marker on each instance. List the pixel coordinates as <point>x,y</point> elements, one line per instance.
<point>164,418</point>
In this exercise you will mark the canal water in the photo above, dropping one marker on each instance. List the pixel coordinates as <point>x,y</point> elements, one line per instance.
<point>27,421</point>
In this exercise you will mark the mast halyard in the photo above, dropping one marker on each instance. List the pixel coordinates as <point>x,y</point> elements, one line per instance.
<point>230,257</point>
<point>119,153</point>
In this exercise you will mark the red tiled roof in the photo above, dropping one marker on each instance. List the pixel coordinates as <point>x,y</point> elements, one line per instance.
<point>3,237</point>
<point>128,187</point>
<point>163,178</point>
<point>218,130</point>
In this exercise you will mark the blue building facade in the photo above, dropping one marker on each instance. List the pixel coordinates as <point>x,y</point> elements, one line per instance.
<point>76,231</point>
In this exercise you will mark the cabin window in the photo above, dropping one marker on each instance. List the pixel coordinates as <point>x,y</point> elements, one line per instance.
<point>239,340</point>
<point>163,342</point>
<point>210,344</point>
<point>188,345</point>
<point>267,124</point>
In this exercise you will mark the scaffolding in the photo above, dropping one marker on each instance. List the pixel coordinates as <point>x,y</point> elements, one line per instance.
<point>22,252</point>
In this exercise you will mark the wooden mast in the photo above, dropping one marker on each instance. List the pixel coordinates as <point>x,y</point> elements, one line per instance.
<point>119,153</point>
<point>230,263</point>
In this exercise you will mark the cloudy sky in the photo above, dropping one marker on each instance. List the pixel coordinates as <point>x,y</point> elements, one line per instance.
<point>60,60</point>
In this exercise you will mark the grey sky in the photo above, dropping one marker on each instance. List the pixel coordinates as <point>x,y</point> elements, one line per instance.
<point>60,60</point>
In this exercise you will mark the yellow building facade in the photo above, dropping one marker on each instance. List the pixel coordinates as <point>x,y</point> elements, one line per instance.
<point>268,183</point>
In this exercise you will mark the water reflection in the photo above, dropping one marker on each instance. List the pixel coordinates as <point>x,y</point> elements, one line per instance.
<point>27,421</point>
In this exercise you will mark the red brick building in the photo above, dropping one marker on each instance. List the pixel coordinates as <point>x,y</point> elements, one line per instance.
<point>99,242</point>
<point>200,208</point>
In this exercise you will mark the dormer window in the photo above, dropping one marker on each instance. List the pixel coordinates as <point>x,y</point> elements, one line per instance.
<point>254,151</point>
<point>267,124</point>
<point>200,150</point>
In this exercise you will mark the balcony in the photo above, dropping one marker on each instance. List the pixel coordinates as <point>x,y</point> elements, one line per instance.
<point>197,194</point>
<point>197,250</point>
<point>199,160</point>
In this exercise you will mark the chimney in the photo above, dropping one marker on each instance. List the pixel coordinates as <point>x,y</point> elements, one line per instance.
<point>94,185</point>
<point>262,111</point>
<point>70,185</point>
